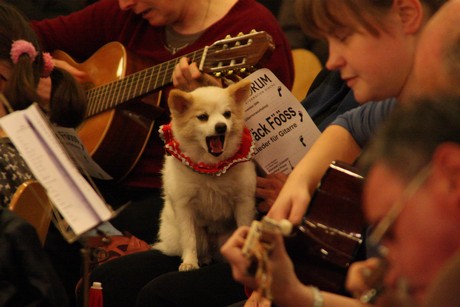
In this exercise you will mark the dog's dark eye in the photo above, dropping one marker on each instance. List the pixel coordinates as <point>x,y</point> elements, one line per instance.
<point>203,117</point>
<point>227,114</point>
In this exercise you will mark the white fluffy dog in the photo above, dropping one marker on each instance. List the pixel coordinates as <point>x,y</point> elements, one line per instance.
<point>208,181</point>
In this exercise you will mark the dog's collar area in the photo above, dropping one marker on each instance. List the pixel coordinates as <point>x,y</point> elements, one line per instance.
<point>244,153</point>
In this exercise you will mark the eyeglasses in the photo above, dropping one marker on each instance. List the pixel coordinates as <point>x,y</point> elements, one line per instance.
<point>381,229</point>
<point>389,219</point>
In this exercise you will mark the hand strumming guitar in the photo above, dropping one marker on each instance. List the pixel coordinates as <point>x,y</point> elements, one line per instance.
<point>276,277</point>
<point>257,248</point>
<point>258,257</point>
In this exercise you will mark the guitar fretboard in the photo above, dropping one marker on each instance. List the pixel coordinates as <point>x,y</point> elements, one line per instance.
<point>110,95</point>
<point>227,55</point>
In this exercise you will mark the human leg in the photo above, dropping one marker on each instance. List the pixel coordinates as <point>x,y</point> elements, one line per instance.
<point>141,216</point>
<point>122,278</point>
<point>211,285</point>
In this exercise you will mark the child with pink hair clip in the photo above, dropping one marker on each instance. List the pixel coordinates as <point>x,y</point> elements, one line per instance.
<point>28,275</point>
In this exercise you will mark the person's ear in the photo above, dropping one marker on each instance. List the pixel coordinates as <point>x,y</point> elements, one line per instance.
<point>411,14</point>
<point>446,162</point>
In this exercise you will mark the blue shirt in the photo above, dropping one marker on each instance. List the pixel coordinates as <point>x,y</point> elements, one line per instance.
<point>362,122</point>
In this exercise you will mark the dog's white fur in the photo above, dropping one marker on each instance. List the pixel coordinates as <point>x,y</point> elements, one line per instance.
<point>200,206</point>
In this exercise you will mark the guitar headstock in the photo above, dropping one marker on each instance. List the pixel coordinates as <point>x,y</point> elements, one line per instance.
<point>239,54</point>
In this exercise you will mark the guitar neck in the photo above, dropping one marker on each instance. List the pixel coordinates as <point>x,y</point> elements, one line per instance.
<point>151,79</point>
<point>224,56</point>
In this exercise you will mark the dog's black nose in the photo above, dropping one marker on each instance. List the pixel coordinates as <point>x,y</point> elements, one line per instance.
<point>221,128</point>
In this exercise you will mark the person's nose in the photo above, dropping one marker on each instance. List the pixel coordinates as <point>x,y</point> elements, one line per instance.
<point>335,61</point>
<point>127,4</point>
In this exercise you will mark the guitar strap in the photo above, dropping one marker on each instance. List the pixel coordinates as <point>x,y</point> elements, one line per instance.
<point>172,147</point>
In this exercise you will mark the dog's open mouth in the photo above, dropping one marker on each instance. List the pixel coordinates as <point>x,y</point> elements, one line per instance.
<point>215,144</point>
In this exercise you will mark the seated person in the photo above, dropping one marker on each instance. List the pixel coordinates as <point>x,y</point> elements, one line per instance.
<point>369,80</point>
<point>367,76</point>
<point>41,9</point>
<point>408,166</point>
<point>27,277</point>
<point>22,65</point>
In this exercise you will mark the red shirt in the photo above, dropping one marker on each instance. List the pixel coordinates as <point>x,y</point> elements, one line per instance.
<point>82,33</point>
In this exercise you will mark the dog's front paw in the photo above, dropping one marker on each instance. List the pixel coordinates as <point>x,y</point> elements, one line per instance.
<point>188,267</point>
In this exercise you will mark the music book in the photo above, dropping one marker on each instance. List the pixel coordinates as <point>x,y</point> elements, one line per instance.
<point>78,152</point>
<point>282,130</point>
<point>80,206</point>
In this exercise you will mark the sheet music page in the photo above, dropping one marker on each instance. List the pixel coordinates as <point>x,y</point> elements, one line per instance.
<point>70,138</point>
<point>280,126</point>
<point>72,195</point>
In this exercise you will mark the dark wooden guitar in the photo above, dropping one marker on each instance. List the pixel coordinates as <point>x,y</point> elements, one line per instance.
<point>331,235</point>
<point>120,115</point>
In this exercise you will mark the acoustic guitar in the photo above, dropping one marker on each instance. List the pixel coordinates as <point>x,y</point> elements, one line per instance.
<point>30,201</point>
<point>331,235</point>
<point>120,115</point>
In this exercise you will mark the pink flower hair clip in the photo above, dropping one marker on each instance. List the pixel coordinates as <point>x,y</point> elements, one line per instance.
<point>48,65</point>
<point>20,47</point>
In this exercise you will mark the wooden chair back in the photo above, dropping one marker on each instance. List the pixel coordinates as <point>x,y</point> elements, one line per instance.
<point>306,68</point>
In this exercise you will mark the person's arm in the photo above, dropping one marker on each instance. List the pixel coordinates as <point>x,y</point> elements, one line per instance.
<point>335,143</point>
<point>286,288</point>
<point>83,32</point>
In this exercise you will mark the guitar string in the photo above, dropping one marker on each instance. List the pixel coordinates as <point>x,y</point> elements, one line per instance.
<point>122,91</point>
<point>103,92</point>
<point>100,92</point>
<point>96,94</point>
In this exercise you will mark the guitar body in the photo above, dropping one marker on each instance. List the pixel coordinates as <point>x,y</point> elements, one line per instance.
<point>117,137</point>
<point>31,202</point>
<point>331,235</point>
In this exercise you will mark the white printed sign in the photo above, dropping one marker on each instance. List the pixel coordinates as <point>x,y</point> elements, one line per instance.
<point>281,127</point>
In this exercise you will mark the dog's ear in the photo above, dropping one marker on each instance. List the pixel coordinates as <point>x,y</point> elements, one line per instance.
<point>179,101</point>
<point>240,91</point>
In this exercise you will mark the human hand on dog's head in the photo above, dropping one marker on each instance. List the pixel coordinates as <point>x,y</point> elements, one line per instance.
<point>188,77</point>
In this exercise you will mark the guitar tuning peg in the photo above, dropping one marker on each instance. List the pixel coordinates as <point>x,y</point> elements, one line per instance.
<point>218,74</point>
<point>243,70</point>
<point>253,31</point>
<point>240,34</point>
<point>230,72</point>
<point>228,36</point>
